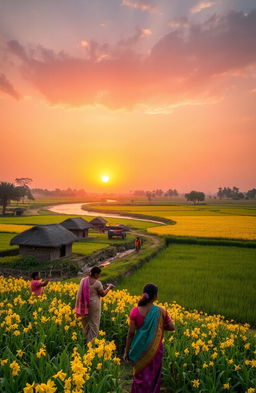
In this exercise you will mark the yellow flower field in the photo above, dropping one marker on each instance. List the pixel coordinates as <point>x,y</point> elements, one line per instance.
<point>230,227</point>
<point>13,228</point>
<point>43,351</point>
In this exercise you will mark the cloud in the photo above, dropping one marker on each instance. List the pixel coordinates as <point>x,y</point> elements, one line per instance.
<point>143,5</point>
<point>202,5</point>
<point>182,66</point>
<point>7,87</point>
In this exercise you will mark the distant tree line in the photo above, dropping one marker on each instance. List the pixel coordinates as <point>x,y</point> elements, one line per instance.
<point>69,192</point>
<point>235,193</point>
<point>158,193</point>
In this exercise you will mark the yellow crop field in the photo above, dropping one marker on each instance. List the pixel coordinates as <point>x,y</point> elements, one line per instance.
<point>230,227</point>
<point>43,350</point>
<point>13,228</point>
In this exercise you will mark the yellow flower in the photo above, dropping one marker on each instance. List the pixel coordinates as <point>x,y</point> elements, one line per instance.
<point>205,365</point>
<point>226,386</point>
<point>251,390</point>
<point>195,383</point>
<point>74,336</point>
<point>15,367</point>
<point>237,367</point>
<point>211,364</point>
<point>3,361</point>
<point>101,333</point>
<point>20,353</point>
<point>41,352</point>
<point>177,354</point>
<point>29,388</point>
<point>247,345</point>
<point>16,333</point>
<point>67,383</point>
<point>186,351</point>
<point>116,360</point>
<point>231,361</point>
<point>48,387</point>
<point>61,375</point>
<point>99,366</point>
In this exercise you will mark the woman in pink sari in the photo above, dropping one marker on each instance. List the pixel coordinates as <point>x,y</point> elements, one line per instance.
<point>88,304</point>
<point>144,346</point>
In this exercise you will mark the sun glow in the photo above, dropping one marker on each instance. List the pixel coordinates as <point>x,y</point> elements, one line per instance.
<point>105,179</point>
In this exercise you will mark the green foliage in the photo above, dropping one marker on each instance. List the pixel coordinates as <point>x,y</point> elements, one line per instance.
<point>215,279</point>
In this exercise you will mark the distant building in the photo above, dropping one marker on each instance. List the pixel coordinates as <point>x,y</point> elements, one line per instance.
<point>78,226</point>
<point>99,224</point>
<point>45,242</point>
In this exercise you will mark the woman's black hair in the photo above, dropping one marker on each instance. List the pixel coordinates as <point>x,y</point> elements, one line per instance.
<point>149,294</point>
<point>34,275</point>
<point>95,270</point>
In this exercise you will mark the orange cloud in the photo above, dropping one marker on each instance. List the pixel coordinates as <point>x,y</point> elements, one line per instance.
<point>202,5</point>
<point>179,67</point>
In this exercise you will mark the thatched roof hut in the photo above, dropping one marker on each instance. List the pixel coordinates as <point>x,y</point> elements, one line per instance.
<point>45,242</point>
<point>99,223</point>
<point>78,226</point>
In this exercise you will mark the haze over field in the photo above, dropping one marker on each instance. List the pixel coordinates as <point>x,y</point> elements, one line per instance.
<point>150,93</point>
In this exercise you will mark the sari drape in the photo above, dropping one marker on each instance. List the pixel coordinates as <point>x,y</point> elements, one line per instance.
<point>147,340</point>
<point>83,298</point>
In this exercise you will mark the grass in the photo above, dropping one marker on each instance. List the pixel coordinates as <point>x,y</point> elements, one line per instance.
<point>214,279</point>
<point>87,248</point>
<point>5,239</point>
<point>231,227</point>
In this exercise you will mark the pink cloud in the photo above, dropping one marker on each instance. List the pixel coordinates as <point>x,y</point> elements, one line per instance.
<point>7,88</point>
<point>189,66</point>
<point>143,5</point>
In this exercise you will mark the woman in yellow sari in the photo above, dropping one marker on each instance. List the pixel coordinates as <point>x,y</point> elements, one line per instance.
<point>88,304</point>
<point>144,346</point>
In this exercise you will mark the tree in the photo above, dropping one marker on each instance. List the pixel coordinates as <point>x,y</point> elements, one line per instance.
<point>251,194</point>
<point>23,181</point>
<point>149,195</point>
<point>8,192</point>
<point>195,196</point>
<point>23,187</point>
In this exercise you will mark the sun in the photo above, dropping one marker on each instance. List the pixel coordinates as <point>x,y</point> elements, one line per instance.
<point>105,179</point>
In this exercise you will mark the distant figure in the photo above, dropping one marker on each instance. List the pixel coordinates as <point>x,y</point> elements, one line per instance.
<point>88,304</point>
<point>37,285</point>
<point>137,244</point>
<point>145,349</point>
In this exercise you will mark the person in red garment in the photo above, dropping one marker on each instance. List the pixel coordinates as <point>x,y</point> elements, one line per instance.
<point>37,285</point>
<point>144,346</point>
<point>137,244</point>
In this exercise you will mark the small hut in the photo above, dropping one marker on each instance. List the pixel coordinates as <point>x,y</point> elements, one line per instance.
<point>78,226</point>
<point>45,242</point>
<point>99,224</point>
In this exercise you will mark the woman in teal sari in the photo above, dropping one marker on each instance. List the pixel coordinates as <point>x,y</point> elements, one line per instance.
<point>144,346</point>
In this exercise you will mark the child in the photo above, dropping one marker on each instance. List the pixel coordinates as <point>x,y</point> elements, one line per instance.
<point>36,285</point>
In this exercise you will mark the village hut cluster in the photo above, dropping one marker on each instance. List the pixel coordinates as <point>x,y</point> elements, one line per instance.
<point>54,241</point>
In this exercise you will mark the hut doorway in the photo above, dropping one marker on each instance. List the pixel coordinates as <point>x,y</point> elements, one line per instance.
<point>63,251</point>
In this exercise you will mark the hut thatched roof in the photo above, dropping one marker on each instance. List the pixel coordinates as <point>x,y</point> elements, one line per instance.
<point>98,220</point>
<point>53,235</point>
<point>75,224</point>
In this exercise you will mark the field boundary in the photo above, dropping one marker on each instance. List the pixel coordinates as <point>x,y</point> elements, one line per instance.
<point>162,220</point>
<point>210,241</point>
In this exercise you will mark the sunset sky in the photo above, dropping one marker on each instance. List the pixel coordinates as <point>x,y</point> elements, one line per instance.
<point>152,93</point>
